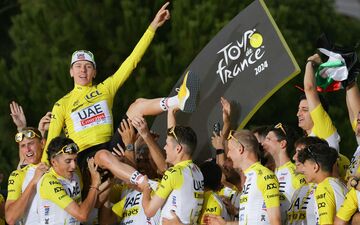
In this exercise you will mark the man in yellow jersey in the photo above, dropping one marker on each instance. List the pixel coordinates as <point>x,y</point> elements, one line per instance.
<point>85,112</point>
<point>181,187</point>
<point>318,161</point>
<point>21,201</point>
<point>302,208</point>
<point>259,201</point>
<point>279,144</point>
<point>313,117</point>
<point>59,190</point>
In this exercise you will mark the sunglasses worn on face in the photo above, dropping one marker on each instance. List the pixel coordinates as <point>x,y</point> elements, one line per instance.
<point>68,149</point>
<point>25,133</point>
<point>280,126</point>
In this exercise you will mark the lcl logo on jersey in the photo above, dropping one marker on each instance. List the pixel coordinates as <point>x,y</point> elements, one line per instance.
<point>93,94</point>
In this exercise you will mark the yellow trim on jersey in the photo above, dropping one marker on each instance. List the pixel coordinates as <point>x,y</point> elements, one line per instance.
<point>267,184</point>
<point>349,206</point>
<point>15,182</point>
<point>297,179</point>
<point>172,179</point>
<point>325,201</point>
<point>211,206</point>
<point>85,113</point>
<point>51,189</point>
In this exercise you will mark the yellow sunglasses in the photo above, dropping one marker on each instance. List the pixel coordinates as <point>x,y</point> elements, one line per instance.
<point>25,133</point>
<point>68,149</point>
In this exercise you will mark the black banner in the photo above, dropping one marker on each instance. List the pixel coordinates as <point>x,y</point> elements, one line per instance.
<point>246,62</point>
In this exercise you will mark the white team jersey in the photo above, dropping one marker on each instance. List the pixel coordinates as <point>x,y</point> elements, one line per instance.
<point>130,209</point>
<point>261,191</point>
<point>302,208</point>
<point>289,181</point>
<point>55,194</point>
<point>355,163</point>
<point>183,188</point>
<point>30,216</point>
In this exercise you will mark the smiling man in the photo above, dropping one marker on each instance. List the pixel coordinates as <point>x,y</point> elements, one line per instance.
<point>60,189</point>
<point>21,201</point>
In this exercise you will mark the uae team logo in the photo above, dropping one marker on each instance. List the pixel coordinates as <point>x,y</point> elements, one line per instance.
<point>237,56</point>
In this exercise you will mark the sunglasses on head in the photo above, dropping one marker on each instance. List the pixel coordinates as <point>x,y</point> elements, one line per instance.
<point>68,149</point>
<point>26,133</point>
<point>280,126</point>
<point>231,136</point>
<point>171,132</point>
<point>311,153</point>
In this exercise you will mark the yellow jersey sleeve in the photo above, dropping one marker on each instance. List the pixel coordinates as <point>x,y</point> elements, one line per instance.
<point>354,123</point>
<point>118,208</point>
<point>349,206</point>
<point>325,201</point>
<point>124,71</point>
<point>15,182</point>
<point>51,189</point>
<point>56,124</point>
<point>323,126</point>
<point>171,180</point>
<point>269,187</point>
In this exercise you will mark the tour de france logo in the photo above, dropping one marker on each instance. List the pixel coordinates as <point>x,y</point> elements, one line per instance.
<point>237,56</point>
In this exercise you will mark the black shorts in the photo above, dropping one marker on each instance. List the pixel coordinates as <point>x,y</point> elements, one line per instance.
<point>88,153</point>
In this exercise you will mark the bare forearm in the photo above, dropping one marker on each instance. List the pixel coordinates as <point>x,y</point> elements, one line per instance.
<point>155,153</point>
<point>14,210</point>
<point>88,204</point>
<point>353,101</point>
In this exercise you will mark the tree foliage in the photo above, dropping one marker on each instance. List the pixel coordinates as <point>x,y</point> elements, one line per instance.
<point>45,33</point>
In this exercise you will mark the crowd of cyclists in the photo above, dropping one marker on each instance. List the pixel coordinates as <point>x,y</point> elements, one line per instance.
<point>95,175</point>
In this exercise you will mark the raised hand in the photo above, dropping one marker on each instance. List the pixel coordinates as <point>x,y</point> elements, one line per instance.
<point>127,132</point>
<point>162,15</point>
<point>226,109</point>
<point>141,126</point>
<point>17,115</point>
<point>44,123</point>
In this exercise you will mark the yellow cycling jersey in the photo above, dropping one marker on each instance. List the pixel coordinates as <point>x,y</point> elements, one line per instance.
<point>329,195</point>
<point>130,210</point>
<point>85,113</point>
<point>55,194</point>
<point>289,181</point>
<point>261,191</point>
<point>350,205</point>
<point>213,205</point>
<point>323,127</point>
<point>302,209</point>
<point>183,188</point>
<point>18,182</point>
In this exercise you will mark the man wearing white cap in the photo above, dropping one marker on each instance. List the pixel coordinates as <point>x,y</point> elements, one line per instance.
<point>85,112</point>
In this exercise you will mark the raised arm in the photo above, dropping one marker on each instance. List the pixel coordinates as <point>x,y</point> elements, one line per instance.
<point>17,115</point>
<point>311,93</point>
<point>44,124</point>
<point>127,133</point>
<point>154,149</point>
<point>353,101</point>
<point>82,211</point>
